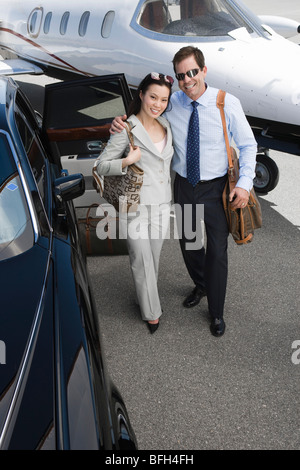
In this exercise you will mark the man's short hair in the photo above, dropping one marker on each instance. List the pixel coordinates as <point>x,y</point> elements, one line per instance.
<point>186,52</point>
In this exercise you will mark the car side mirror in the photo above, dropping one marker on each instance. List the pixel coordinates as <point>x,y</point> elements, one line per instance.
<point>69,187</point>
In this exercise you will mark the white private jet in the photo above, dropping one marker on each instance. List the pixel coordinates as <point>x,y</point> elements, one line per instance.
<point>244,54</point>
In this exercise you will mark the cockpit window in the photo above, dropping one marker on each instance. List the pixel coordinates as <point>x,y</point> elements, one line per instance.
<point>16,231</point>
<point>191,18</point>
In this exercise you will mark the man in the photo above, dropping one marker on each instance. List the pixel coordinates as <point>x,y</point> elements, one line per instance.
<point>201,181</point>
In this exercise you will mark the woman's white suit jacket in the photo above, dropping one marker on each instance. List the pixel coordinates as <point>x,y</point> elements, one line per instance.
<point>156,187</point>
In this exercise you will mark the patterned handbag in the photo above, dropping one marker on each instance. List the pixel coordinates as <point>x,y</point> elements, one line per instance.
<point>122,191</point>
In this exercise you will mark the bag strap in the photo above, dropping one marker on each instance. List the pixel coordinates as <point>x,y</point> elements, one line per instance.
<point>129,133</point>
<point>233,168</point>
<point>220,105</point>
<point>99,181</point>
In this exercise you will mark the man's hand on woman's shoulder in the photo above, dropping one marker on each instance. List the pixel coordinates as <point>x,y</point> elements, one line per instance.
<point>118,124</point>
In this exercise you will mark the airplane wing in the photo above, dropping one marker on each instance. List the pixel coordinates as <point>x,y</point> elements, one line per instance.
<point>18,66</point>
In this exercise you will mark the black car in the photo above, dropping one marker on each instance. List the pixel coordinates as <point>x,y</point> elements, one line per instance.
<point>55,392</point>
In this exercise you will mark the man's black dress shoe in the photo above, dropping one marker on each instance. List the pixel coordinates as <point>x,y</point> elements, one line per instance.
<point>217,326</point>
<point>194,298</point>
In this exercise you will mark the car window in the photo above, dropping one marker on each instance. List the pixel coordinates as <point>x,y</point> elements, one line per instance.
<point>16,231</point>
<point>33,148</point>
<point>77,118</point>
<point>85,103</point>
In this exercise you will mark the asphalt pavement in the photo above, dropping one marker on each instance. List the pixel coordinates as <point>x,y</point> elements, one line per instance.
<point>184,388</point>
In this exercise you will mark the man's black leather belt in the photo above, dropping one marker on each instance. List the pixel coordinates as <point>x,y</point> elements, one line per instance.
<point>211,181</point>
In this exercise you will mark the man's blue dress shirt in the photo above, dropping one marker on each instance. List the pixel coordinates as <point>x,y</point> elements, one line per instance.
<point>213,156</point>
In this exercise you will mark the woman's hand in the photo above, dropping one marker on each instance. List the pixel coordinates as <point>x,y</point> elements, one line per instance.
<point>133,156</point>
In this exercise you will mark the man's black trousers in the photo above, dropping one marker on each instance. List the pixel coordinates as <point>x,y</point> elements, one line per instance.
<point>207,266</point>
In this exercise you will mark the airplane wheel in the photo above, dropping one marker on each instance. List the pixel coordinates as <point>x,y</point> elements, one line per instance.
<point>267,174</point>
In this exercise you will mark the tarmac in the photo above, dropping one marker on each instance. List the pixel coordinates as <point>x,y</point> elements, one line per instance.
<point>184,388</point>
<point>187,390</point>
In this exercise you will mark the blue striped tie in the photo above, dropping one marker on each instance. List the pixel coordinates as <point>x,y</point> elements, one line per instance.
<point>193,164</point>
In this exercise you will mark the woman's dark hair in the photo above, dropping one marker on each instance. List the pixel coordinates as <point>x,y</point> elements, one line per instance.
<point>152,78</point>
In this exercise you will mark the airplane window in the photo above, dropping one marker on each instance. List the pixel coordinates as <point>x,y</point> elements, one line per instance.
<point>107,24</point>
<point>154,15</point>
<point>83,23</point>
<point>191,17</point>
<point>34,22</point>
<point>47,22</point>
<point>64,22</point>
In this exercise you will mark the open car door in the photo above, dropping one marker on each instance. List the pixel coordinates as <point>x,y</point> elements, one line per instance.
<point>77,118</point>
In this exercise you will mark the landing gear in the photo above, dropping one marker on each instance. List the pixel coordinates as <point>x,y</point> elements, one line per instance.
<point>267,173</point>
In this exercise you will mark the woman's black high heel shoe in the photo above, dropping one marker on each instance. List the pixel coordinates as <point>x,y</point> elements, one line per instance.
<point>152,327</point>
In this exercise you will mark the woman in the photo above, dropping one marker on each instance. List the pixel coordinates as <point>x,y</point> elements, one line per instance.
<point>147,228</point>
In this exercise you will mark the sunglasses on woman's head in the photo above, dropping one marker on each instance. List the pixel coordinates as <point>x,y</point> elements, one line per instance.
<point>157,76</point>
<point>190,73</point>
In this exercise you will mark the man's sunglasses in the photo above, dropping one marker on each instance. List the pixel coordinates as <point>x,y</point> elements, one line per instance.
<point>190,74</point>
